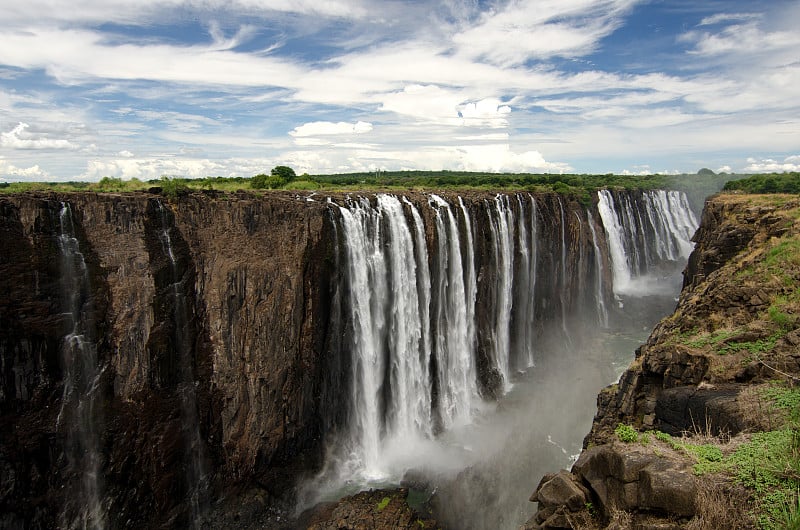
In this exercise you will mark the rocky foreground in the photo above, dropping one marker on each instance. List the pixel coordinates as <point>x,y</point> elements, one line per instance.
<point>713,384</point>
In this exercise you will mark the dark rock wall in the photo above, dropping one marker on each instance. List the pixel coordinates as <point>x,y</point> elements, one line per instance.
<point>253,276</point>
<point>256,275</point>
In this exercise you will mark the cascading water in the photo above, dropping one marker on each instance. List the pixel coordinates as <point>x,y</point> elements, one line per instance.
<point>563,278</point>
<point>524,302</point>
<point>501,219</point>
<point>195,469</point>
<point>442,309</point>
<point>600,301</point>
<point>453,352</point>
<point>645,236</point>
<point>80,414</point>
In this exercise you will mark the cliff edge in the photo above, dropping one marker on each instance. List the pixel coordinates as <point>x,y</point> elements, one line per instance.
<point>698,431</point>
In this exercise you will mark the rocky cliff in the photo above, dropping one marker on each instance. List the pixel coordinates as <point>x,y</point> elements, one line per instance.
<point>706,373</point>
<point>178,362</point>
<point>247,277</point>
<point>175,362</point>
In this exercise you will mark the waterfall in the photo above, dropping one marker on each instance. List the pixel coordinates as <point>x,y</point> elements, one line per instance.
<point>501,219</point>
<point>457,381</point>
<point>524,283</point>
<point>470,280</point>
<point>80,411</point>
<point>437,299</point>
<point>564,285</point>
<point>195,472</point>
<point>645,236</point>
<point>600,303</point>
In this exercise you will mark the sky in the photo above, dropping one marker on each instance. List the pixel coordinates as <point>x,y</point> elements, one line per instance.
<point>196,88</point>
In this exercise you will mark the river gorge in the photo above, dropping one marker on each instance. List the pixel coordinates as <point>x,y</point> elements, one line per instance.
<point>231,359</point>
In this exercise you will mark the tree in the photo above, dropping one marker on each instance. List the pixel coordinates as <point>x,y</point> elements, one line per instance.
<point>259,181</point>
<point>284,172</point>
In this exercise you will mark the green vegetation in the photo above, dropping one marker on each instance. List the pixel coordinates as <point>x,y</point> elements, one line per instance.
<point>626,433</point>
<point>767,183</point>
<point>767,464</point>
<point>581,186</point>
<point>384,503</point>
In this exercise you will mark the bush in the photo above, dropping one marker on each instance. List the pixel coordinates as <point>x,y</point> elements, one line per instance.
<point>173,187</point>
<point>626,433</point>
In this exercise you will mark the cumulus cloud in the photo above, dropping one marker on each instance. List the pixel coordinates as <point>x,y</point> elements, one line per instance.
<point>150,168</point>
<point>768,165</point>
<point>488,112</point>
<point>19,173</point>
<point>20,138</point>
<point>325,128</point>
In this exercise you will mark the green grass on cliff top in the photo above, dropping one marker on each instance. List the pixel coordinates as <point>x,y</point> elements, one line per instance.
<point>701,184</point>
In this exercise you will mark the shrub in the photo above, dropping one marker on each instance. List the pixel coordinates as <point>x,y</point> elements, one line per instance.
<point>626,433</point>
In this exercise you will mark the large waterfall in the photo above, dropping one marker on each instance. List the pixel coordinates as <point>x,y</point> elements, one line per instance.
<point>447,302</point>
<point>645,233</point>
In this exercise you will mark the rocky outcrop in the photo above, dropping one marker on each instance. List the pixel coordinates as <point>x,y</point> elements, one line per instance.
<point>734,327</point>
<point>250,274</point>
<point>368,510</point>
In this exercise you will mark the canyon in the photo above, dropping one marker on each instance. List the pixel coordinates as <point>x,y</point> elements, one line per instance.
<point>225,360</point>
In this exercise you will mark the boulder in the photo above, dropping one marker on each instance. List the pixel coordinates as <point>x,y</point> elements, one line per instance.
<point>562,490</point>
<point>667,489</point>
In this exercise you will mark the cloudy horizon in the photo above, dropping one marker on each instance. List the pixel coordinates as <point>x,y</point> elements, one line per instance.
<point>199,88</point>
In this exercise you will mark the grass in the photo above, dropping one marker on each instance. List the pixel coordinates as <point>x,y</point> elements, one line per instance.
<point>384,503</point>
<point>626,433</point>
<point>580,186</point>
<point>767,464</point>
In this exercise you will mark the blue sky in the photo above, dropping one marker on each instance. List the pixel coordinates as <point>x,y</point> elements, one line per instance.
<point>144,88</point>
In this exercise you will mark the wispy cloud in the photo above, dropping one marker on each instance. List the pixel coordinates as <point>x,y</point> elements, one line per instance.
<point>210,87</point>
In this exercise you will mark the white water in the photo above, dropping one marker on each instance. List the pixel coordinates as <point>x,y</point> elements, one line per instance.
<point>80,407</point>
<point>196,473</point>
<point>602,312</point>
<point>564,283</point>
<point>414,323</point>
<point>453,350</point>
<point>502,221</point>
<point>638,245</point>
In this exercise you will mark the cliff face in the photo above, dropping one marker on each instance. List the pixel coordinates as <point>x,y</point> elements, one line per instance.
<point>734,329</point>
<point>162,356</point>
<point>249,277</point>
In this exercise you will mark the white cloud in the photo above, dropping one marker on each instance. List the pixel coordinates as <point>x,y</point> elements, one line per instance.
<point>324,128</point>
<point>742,38</point>
<point>20,138</point>
<point>150,168</point>
<point>524,30</point>
<point>424,102</point>
<point>140,11</point>
<point>721,18</point>
<point>768,165</point>
<point>489,112</point>
<point>18,173</point>
<point>499,157</point>
<point>724,169</point>
<point>126,154</point>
